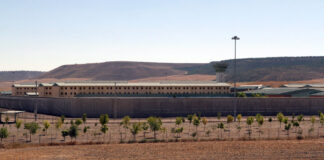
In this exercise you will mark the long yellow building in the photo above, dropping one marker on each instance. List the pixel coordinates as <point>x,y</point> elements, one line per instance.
<point>84,89</point>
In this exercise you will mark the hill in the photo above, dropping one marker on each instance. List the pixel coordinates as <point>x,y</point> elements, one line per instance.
<point>18,75</point>
<point>118,70</point>
<point>248,70</point>
<point>269,69</point>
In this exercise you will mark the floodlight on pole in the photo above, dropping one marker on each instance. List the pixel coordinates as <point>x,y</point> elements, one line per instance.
<point>235,38</point>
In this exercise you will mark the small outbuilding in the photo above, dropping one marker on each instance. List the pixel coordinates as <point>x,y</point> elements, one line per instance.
<point>7,113</point>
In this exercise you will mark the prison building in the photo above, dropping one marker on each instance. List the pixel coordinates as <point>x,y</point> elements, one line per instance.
<point>88,89</point>
<point>23,89</point>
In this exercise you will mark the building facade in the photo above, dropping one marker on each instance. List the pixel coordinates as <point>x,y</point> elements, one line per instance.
<point>23,89</point>
<point>84,89</point>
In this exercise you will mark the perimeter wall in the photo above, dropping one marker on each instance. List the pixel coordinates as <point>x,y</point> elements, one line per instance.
<point>164,107</point>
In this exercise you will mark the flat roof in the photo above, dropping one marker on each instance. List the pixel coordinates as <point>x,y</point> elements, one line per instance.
<point>315,85</point>
<point>24,85</point>
<point>11,112</point>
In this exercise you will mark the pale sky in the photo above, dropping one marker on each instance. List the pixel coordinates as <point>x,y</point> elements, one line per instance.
<point>44,34</point>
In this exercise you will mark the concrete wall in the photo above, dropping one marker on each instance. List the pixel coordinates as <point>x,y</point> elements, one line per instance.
<point>164,107</point>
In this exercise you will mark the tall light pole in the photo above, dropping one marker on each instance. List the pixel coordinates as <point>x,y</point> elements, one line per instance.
<point>235,38</point>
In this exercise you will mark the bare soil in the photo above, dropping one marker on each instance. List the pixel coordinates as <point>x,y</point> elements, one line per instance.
<point>272,149</point>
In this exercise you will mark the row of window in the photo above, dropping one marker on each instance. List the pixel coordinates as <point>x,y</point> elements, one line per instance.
<point>154,88</point>
<point>25,88</point>
<point>133,93</point>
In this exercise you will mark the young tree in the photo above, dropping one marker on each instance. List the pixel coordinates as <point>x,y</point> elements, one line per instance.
<point>62,119</point>
<point>249,122</point>
<point>269,120</point>
<point>178,121</point>
<point>3,133</point>
<point>84,118</point>
<point>321,119</point>
<point>189,117</point>
<point>313,119</point>
<point>219,115</point>
<point>230,119</point>
<point>65,133</point>
<point>73,131</point>
<point>85,129</point>
<point>260,121</point>
<point>104,119</point>
<point>178,130</point>
<point>155,124</point>
<point>196,122</point>
<point>300,118</point>
<point>280,117</point>
<point>136,127</point>
<point>125,123</point>
<point>221,126</point>
<point>285,120</point>
<point>46,126</point>
<point>104,129</point>
<point>204,121</point>
<point>145,127</point>
<point>78,122</point>
<point>58,125</point>
<point>32,127</point>
<point>287,128</point>
<point>239,118</point>
<point>18,125</point>
<point>296,125</point>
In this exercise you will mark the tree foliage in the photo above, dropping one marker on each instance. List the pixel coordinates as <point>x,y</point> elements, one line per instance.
<point>3,133</point>
<point>104,119</point>
<point>32,127</point>
<point>155,124</point>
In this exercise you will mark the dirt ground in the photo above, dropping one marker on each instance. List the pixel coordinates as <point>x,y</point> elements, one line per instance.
<point>271,149</point>
<point>232,142</point>
<point>117,133</point>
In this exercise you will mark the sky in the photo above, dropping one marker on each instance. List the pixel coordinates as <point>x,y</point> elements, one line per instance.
<point>44,34</point>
